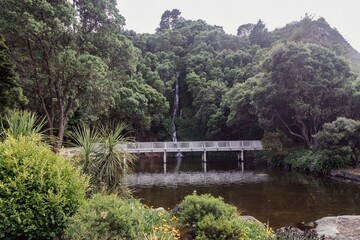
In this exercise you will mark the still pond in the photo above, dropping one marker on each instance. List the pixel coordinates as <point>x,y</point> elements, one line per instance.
<point>278,197</point>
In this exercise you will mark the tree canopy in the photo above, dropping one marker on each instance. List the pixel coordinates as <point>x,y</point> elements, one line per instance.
<point>76,63</point>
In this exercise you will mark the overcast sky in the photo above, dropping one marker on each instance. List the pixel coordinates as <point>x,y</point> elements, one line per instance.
<point>144,15</point>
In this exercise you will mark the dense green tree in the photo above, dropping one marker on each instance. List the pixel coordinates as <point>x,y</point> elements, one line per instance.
<point>259,35</point>
<point>169,19</point>
<point>143,108</point>
<point>10,91</point>
<point>340,141</point>
<point>304,86</point>
<point>66,62</point>
<point>245,29</point>
<point>242,118</point>
<point>39,34</point>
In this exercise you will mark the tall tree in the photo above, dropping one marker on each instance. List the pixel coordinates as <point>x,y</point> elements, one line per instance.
<point>259,35</point>
<point>53,71</point>
<point>169,19</point>
<point>10,91</point>
<point>305,85</point>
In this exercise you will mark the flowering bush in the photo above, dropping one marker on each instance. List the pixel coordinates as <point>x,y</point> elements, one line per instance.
<point>254,230</point>
<point>111,217</point>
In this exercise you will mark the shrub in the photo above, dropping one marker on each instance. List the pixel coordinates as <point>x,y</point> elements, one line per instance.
<point>39,190</point>
<point>111,217</point>
<point>219,229</point>
<point>21,123</point>
<point>254,230</point>
<point>106,217</point>
<point>195,207</point>
<point>340,142</point>
<point>309,161</point>
<point>103,157</point>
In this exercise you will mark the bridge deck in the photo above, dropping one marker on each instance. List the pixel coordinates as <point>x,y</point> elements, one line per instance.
<point>200,146</point>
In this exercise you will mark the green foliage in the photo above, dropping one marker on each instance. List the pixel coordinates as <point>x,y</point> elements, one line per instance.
<point>222,228</point>
<point>340,142</point>
<point>276,145</point>
<point>208,217</point>
<point>306,160</point>
<point>259,35</point>
<point>305,85</point>
<point>193,209</point>
<point>86,138</point>
<point>10,92</point>
<point>77,64</point>
<point>142,107</point>
<point>289,233</point>
<point>111,217</point>
<point>19,123</point>
<point>254,230</point>
<point>39,190</point>
<point>106,217</point>
<point>103,156</point>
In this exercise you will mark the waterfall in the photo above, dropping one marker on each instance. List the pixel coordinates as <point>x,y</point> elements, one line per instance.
<point>175,110</point>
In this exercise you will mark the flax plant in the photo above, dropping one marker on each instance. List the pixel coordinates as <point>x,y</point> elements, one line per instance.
<point>112,162</point>
<point>103,155</point>
<point>87,139</point>
<point>19,123</point>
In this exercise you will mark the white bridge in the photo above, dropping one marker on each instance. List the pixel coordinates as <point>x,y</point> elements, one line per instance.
<point>199,146</point>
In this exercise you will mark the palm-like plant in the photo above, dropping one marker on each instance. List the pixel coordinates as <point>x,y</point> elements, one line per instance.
<point>112,162</point>
<point>86,138</point>
<point>21,123</point>
<point>103,154</point>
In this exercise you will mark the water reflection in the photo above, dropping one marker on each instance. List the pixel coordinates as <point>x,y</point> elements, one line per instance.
<point>193,178</point>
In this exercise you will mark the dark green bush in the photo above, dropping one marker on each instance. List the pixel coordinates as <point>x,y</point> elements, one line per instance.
<point>306,160</point>
<point>219,229</point>
<point>195,208</point>
<point>39,190</point>
<point>107,217</point>
<point>340,142</point>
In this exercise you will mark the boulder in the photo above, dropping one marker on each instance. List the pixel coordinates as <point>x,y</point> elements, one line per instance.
<point>345,227</point>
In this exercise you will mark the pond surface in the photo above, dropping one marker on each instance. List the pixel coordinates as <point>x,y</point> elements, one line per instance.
<point>280,198</point>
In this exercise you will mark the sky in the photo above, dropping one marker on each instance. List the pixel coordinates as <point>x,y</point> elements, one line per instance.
<point>143,16</point>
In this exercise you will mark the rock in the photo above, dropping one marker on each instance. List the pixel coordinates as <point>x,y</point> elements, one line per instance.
<point>345,227</point>
<point>308,225</point>
<point>248,218</point>
<point>352,174</point>
<point>160,209</point>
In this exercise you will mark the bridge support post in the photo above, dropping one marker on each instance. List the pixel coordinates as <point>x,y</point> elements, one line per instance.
<point>240,156</point>
<point>204,167</point>
<point>164,157</point>
<point>204,156</point>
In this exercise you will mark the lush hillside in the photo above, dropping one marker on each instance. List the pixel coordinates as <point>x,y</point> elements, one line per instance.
<point>187,81</point>
<point>320,32</point>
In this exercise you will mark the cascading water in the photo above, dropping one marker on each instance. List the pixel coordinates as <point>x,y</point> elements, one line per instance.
<point>174,113</point>
<point>175,110</point>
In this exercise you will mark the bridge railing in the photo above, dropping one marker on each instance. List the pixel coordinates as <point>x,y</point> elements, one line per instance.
<point>193,146</point>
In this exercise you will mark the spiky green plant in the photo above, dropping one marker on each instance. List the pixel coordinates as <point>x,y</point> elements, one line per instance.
<point>19,123</point>
<point>86,138</point>
<point>112,162</point>
<point>103,156</point>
